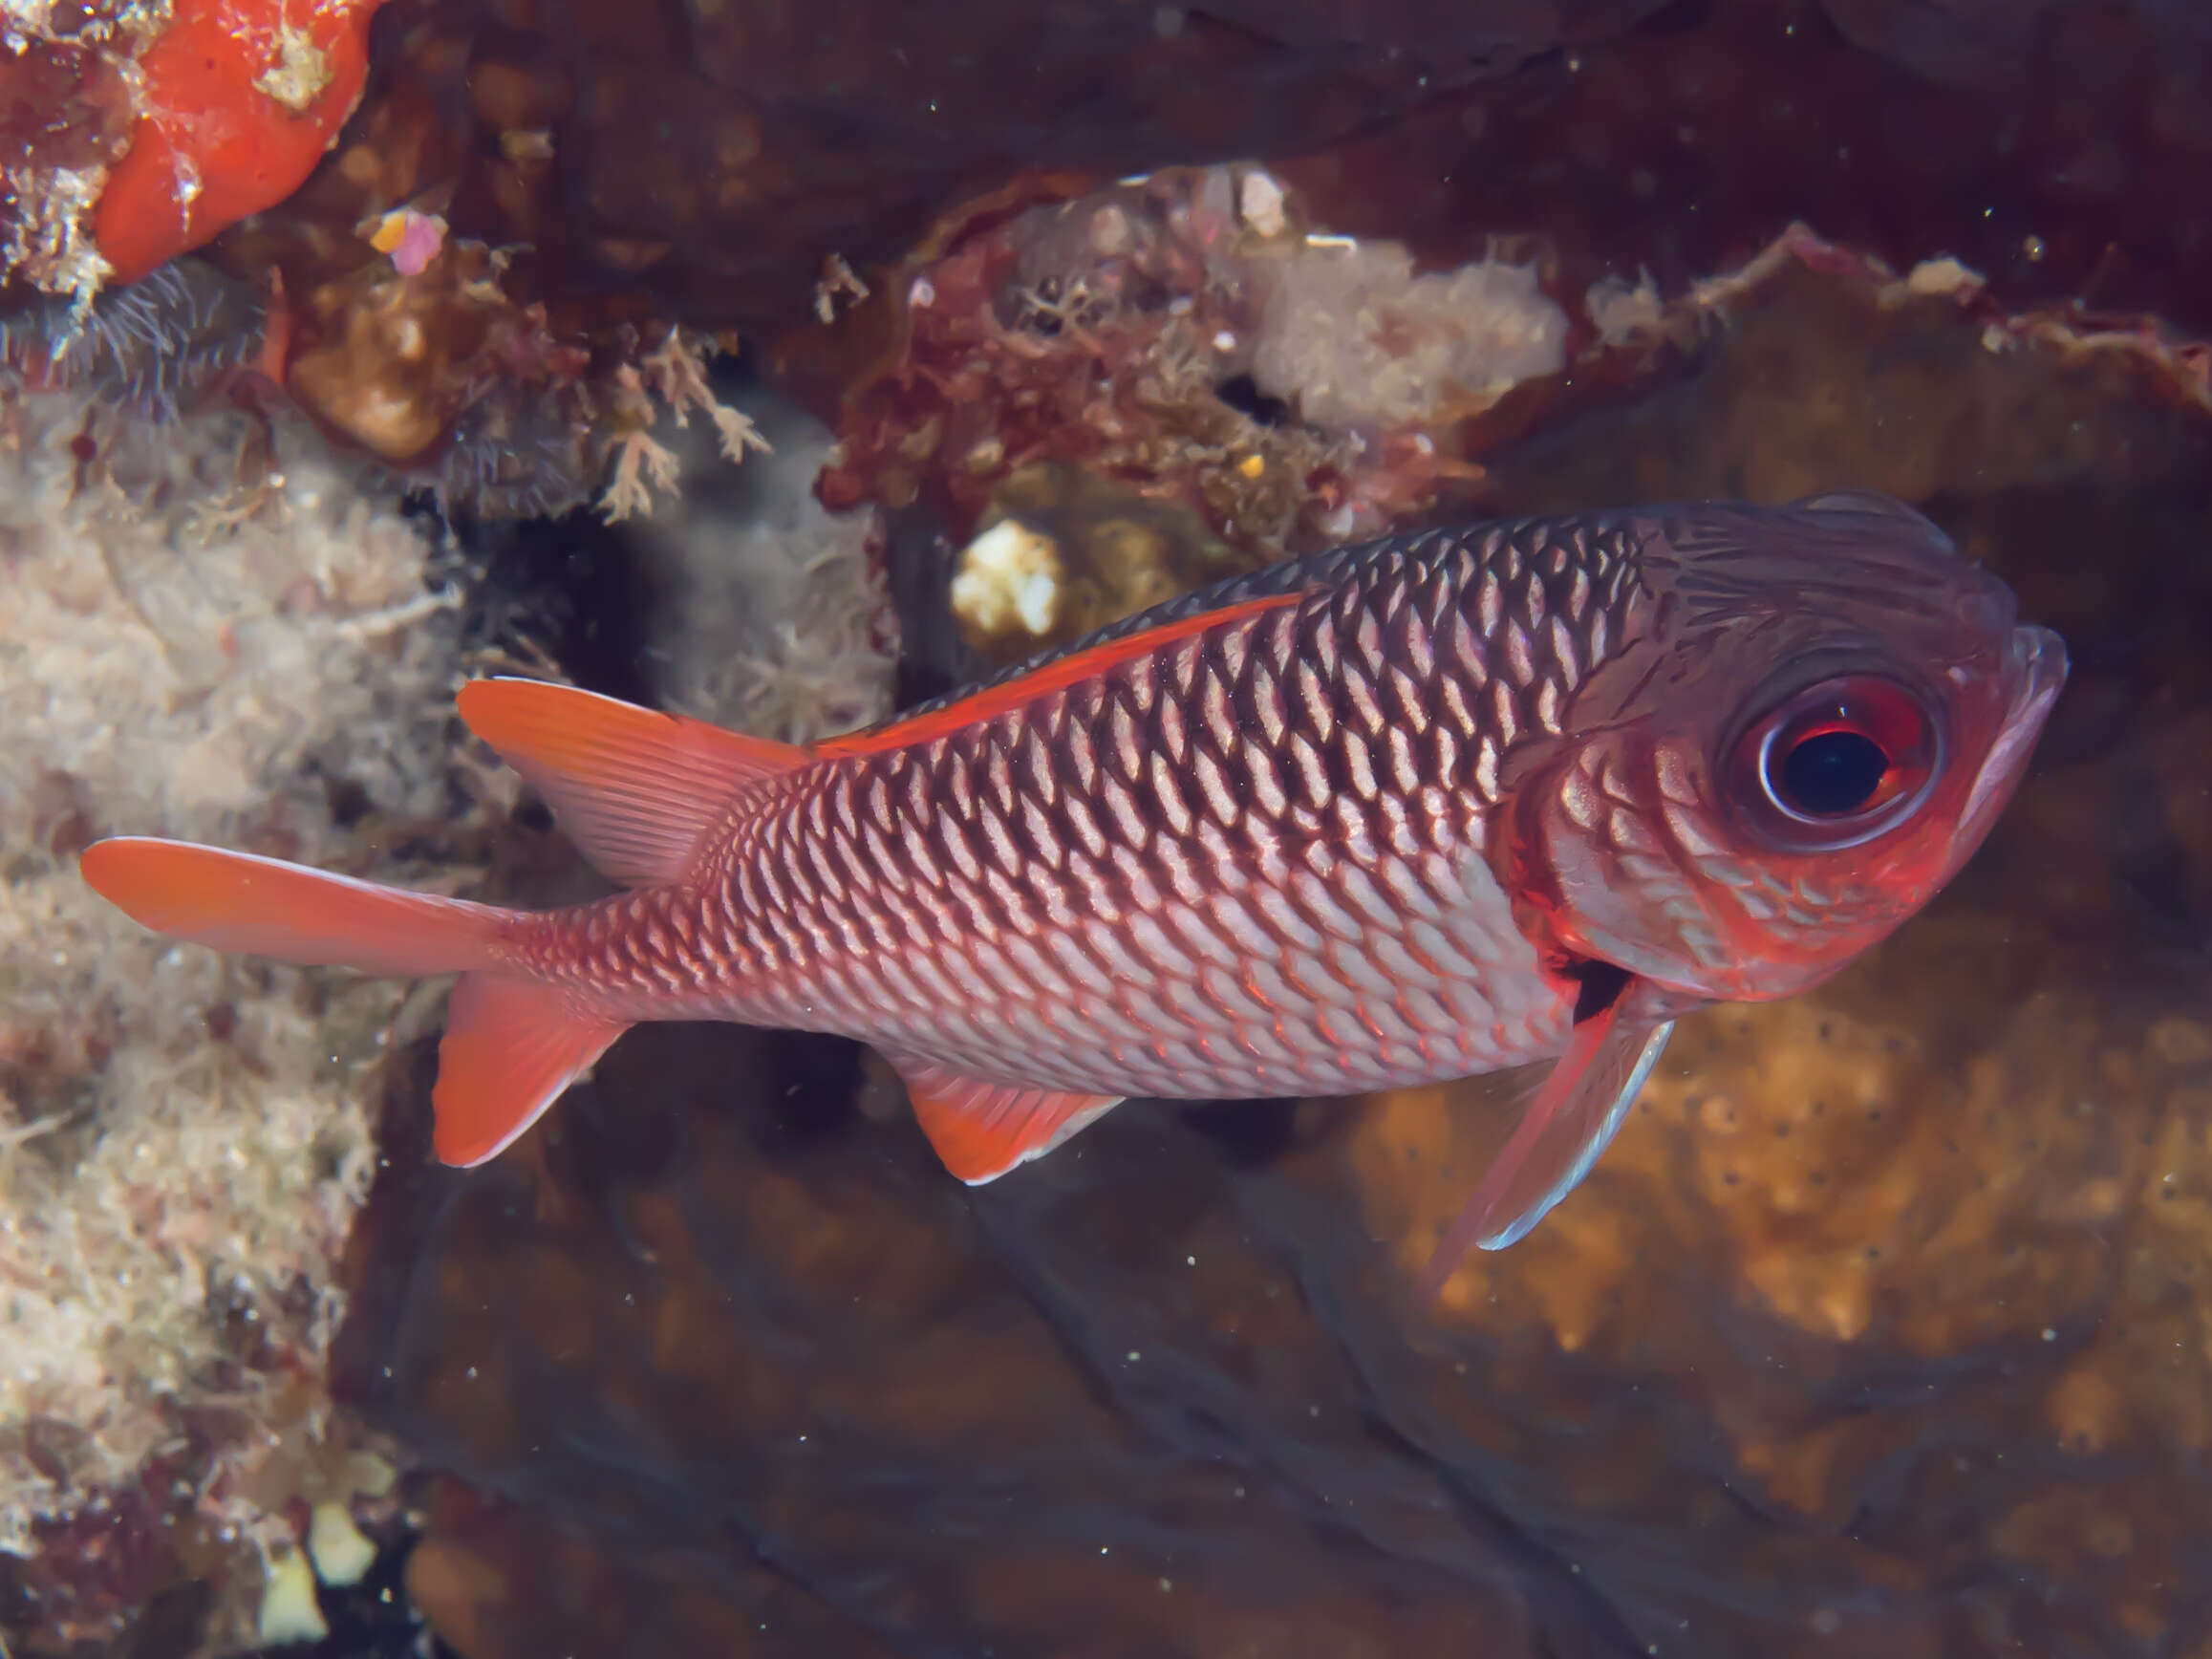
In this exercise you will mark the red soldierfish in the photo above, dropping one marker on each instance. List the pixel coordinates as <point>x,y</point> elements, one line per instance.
<point>1433,806</point>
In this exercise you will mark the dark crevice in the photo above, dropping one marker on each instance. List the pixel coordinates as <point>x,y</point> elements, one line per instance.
<point>1602,984</point>
<point>1244,396</point>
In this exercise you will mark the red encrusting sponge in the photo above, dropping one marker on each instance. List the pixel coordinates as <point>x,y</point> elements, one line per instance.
<point>240,100</point>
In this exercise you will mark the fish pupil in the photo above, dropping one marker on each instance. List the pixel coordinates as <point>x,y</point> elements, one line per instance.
<point>1829,773</point>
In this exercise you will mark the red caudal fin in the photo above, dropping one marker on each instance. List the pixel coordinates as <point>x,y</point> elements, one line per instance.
<point>1568,1123</point>
<point>635,789</point>
<point>982,1129</point>
<point>235,902</point>
<point>510,1048</point>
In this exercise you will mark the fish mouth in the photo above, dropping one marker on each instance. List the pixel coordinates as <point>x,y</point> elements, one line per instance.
<point>2038,668</point>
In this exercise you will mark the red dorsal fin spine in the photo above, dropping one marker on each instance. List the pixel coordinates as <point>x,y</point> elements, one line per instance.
<point>635,789</point>
<point>1055,674</point>
<point>512,1047</point>
<point>982,1129</point>
<point>1569,1121</point>
<point>236,901</point>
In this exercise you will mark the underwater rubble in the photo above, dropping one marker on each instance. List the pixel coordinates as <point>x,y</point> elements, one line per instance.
<point>214,630</point>
<point>1273,388</point>
<point>1885,1326</point>
<point>518,202</point>
<point>193,643</point>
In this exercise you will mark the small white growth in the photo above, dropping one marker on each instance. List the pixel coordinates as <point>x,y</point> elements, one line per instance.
<point>1008,579</point>
<point>301,73</point>
<point>1260,200</point>
<point>26,21</point>
<point>342,1552</point>
<point>839,281</point>
<point>675,372</point>
<point>1940,278</point>
<point>51,241</point>
<point>288,1612</point>
<point>1354,340</point>
<point>1623,310</point>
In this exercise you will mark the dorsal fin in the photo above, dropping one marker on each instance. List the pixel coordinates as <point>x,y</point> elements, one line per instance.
<point>1053,674</point>
<point>982,1129</point>
<point>633,788</point>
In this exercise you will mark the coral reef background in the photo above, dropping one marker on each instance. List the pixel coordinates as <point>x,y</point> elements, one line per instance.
<point>1881,1329</point>
<point>1886,1326</point>
<point>194,645</point>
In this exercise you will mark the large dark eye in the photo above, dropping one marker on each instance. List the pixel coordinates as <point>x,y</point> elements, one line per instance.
<point>1829,774</point>
<point>1838,762</point>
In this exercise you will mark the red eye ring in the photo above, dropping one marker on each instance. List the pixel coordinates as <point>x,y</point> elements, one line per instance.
<point>1838,763</point>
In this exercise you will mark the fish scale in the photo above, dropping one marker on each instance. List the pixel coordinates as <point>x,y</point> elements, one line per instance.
<point>1070,863</point>
<point>1389,814</point>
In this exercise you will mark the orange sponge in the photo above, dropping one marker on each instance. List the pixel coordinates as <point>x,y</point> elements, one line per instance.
<point>240,100</point>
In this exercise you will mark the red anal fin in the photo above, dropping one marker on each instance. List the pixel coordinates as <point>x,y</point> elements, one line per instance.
<point>1056,674</point>
<point>635,789</point>
<point>238,902</point>
<point>1567,1124</point>
<point>511,1046</point>
<point>982,1129</point>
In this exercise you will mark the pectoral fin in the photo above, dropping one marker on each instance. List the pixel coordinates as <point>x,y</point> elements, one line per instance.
<point>982,1129</point>
<point>1571,1120</point>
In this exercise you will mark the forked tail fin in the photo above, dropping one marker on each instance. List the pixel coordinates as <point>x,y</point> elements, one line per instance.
<point>512,1045</point>
<point>235,902</point>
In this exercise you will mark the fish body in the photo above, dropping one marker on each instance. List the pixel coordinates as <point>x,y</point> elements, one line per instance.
<point>1248,861</point>
<point>1434,806</point>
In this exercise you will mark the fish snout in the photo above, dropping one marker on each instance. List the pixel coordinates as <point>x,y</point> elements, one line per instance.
<point>2037,665</point>
<point>2039,661</point>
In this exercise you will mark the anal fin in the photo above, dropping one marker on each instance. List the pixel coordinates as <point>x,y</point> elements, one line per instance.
<point>1568,1123</point>
<point>512,1047</point>
<point>982,1129</point>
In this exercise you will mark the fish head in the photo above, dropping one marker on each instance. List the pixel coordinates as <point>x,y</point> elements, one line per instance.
<point>1816,717</point>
